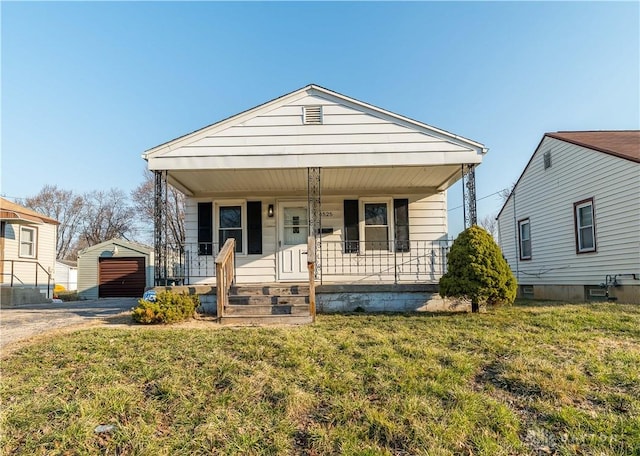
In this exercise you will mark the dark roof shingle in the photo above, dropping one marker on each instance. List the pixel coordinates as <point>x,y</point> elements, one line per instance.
<point>621,143</point>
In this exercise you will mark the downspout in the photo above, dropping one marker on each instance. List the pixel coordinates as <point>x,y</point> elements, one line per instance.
<point>516,235</point>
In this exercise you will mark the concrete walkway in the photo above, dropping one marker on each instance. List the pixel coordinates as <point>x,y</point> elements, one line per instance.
<point>23,322</point>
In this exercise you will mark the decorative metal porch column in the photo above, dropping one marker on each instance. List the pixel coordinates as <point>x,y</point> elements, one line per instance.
<point>160,201</point>
<point>315,215</point>
<point>469,195</point>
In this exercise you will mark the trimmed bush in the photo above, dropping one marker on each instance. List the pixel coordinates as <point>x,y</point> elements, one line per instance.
<point>169,307</point>
<point>478,271</point>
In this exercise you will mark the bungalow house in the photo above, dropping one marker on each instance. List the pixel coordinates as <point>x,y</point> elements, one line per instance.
<point>368,186</point>
<point>570,229</point>
<point>27,254</point>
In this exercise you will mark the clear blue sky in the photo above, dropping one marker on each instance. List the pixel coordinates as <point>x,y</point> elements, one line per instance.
<point>87,87</point>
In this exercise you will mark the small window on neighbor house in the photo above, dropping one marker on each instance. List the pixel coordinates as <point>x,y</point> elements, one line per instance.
<point>547,160</point>
<point>524,236</point>
<point>585,228</point>
<point>312,115</point>
<point>27,242</point>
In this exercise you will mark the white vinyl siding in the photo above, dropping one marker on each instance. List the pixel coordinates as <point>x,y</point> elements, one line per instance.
<point>548,197</point>
<point>349,135</point>
<point>40,253</point>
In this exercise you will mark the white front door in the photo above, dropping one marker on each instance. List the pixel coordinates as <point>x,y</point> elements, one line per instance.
<point>292,241</point>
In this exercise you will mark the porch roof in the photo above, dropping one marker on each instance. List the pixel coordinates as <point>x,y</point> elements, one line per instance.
<point>358,146</point>
<point>243,182</point>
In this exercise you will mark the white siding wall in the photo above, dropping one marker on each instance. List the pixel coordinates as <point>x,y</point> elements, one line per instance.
<point>348,135</point>
<point>25,267</point>
<point>427,218</point>
<point>546,197</point>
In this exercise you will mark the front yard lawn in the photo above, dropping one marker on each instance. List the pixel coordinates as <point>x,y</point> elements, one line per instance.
<point>530,379</point>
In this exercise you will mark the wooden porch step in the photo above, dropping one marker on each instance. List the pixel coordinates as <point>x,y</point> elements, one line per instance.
<point>249,300</point>
<point>268,304</point>
<point>260,320</point>
<point>269,290</point>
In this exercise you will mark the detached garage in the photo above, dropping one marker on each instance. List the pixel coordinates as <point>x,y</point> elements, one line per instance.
<point>115,269</point>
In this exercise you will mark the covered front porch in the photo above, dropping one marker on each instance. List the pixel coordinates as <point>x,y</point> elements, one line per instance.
<point>385,234</point>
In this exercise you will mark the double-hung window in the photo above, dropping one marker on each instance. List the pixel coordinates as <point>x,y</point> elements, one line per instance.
<point>376,225</point>
<point>585,228</point>
<point>27,242</point>
<point>230,225</point>
<point>524,239</point>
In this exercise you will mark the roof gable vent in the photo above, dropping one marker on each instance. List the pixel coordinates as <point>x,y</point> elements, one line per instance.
<point>312,115</point>
<point>547,159</point>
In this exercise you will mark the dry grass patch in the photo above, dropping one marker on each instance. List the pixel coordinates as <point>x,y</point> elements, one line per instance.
<point>532,379</point>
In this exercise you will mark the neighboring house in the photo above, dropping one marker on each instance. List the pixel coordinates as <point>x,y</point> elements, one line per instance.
<point>572,221</point>
<point>28,254</point>
<point>368,184</point>
<point>115,269</point>
<point>67,274</point>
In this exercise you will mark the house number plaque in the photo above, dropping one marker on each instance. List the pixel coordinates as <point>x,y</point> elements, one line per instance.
<point>326,214</point>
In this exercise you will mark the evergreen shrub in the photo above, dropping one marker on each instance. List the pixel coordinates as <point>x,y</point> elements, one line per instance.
<point>477,270</point>
<point>169,307</point>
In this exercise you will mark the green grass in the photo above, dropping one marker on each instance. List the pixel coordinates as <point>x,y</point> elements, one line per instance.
<point>531,379</point>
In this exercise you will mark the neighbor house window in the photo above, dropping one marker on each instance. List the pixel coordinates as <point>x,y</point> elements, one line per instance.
<point>585,228</point>
<point>547,160</point>
<point>524,236</point>
<point>27,242</point>
<point>230,225</point>
<point>376,225</point>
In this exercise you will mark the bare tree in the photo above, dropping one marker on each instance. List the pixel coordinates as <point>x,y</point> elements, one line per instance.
<point>505,193</point>
<point>67,208</point>
<point>143,198</point>
<point>108,215</point>
<point>489,223</point>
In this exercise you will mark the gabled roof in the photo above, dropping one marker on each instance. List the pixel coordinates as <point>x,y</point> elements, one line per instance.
<point>620,143</point>
<point>309,89</point>
<point>624,144</point>
<point>145,249</point>
<point>16,213</point>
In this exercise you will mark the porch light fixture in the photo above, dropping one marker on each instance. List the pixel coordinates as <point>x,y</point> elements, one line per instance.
<point>270,210</point>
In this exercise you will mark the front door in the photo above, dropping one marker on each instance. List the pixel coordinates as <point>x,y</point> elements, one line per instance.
<point>292,241</point>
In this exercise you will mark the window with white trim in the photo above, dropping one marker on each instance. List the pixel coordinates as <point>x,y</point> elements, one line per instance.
<point>27,242</point>
<point>230,223</point>
<point>524,238</point>
<point>376,227</point>
<point>585,228</point>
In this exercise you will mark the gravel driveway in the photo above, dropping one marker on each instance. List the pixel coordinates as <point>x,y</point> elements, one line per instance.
<point>23,322</point>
